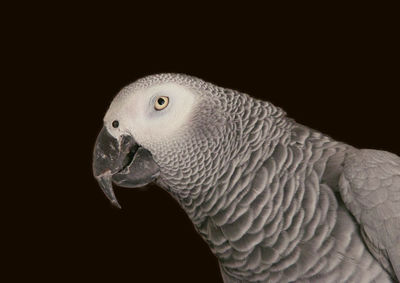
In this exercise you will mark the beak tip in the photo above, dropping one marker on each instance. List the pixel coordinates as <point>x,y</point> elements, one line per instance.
<point>116,204</point>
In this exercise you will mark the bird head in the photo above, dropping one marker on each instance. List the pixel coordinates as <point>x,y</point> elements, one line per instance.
<point>171,129</point>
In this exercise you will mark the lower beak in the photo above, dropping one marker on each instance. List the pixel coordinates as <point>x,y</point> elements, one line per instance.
<point>123,162</point>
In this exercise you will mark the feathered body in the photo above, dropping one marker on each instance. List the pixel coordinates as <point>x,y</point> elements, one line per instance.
<point>271,197</point>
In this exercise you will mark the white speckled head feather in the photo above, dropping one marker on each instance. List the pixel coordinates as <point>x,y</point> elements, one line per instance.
<point>135,111</point>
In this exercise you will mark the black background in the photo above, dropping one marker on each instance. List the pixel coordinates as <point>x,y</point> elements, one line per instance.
<point>335,69</point>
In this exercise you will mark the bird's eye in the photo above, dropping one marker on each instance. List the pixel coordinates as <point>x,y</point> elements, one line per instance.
<point>161,103</point>
<point>115,123</point>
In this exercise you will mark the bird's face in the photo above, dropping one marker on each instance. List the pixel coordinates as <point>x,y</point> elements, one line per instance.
<point>155,130</point>
<point>153,115</point>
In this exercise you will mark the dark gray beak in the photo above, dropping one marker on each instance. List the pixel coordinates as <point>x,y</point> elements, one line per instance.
<point>123,162</point>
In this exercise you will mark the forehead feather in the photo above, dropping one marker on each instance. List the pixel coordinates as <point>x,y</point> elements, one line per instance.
<point>134,108</point>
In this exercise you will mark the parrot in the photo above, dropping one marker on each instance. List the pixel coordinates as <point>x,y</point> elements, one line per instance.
<point>276,201</point>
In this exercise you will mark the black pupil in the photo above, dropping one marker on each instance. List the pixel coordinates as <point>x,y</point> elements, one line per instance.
<point>115,124</point>
<point>161,101</point>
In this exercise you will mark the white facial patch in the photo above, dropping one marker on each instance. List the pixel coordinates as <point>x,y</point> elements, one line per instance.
<point>137,115</point>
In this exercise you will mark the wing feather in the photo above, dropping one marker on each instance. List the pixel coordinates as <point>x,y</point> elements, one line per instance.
<point>370,188</point>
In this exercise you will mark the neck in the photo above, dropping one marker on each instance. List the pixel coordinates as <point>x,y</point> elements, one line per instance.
<point>261,137</point>
<point>258,194</point>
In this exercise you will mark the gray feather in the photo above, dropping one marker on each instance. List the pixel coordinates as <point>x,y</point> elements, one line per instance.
<point>275,200</point>
<point>370,187</point>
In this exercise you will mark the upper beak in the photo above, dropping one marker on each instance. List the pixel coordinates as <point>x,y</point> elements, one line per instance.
<point>122,161</point>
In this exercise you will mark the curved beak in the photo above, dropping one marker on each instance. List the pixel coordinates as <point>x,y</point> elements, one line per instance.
<point>123,162</point>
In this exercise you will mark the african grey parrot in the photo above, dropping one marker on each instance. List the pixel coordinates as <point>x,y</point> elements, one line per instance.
<point>276,201</point>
